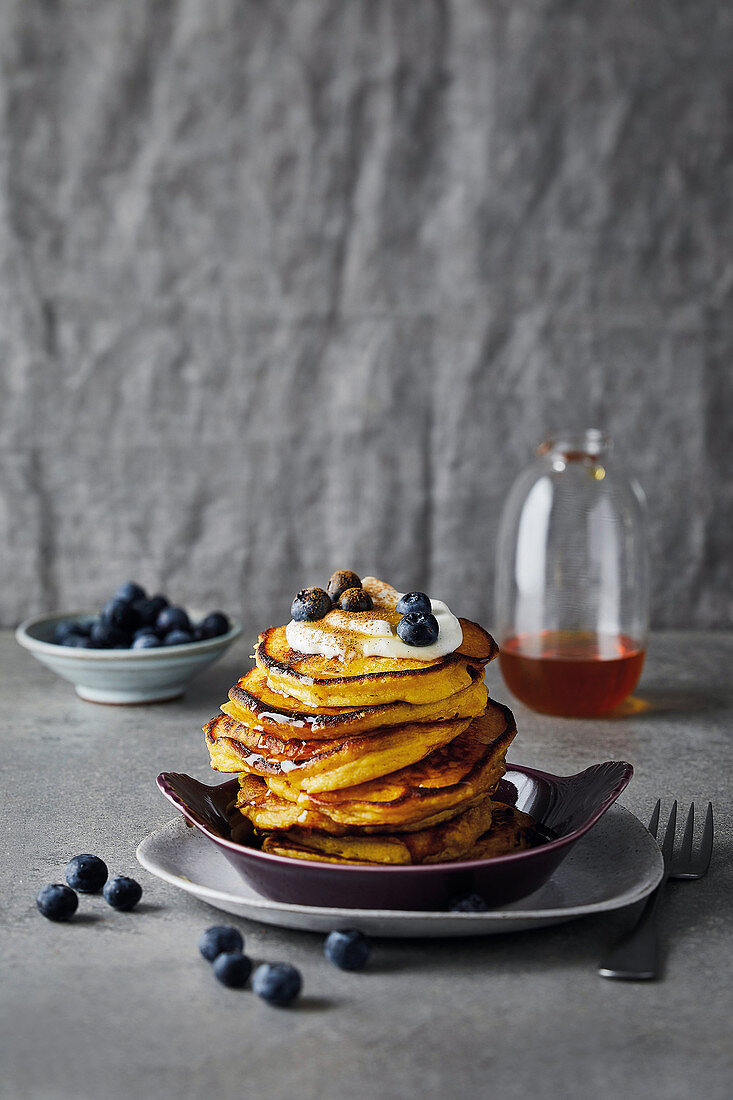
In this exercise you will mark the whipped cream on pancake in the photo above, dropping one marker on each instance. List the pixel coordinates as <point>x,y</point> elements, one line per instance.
<point>345,635</point>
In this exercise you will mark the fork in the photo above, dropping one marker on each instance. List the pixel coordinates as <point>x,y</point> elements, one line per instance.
<point>636,955</point>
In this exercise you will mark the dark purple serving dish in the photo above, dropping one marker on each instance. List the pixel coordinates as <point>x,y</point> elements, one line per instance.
<point>564,807</point>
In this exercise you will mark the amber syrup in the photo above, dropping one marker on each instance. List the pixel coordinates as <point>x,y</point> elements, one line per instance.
<point>572,674</point>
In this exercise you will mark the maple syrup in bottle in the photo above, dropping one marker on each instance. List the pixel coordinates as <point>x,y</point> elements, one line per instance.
<point>572,579</point>
<point>574,674</point>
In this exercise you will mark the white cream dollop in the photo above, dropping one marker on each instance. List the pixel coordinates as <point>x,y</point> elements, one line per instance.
<point>344,636</point>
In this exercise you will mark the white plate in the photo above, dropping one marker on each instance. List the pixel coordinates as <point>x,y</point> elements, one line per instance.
<point>615,864</point>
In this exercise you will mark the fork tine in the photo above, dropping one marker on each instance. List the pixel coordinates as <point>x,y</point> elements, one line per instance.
<point>686,849</point>
<point>654,820</point>
<point>668,842</point>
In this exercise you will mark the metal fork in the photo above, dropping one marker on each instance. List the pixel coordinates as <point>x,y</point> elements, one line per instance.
<point>636,955</point>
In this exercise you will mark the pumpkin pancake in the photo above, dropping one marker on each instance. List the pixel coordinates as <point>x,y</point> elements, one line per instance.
<point>325,765</point>
<point>447,780</point>
<point>440,843</point>
<point>253,703</point>
<point>511,831</point>
<point>268,812</point>
<point>363,681</point>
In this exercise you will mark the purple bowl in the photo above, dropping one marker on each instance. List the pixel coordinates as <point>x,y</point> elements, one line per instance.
<point>564,806</point>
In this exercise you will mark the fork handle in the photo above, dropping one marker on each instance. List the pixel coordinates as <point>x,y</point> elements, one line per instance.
<point>636,955</point>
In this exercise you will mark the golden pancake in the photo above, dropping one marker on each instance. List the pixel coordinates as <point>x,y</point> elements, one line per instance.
<point>443,783</point>
<point>511,831</point>
<point>364,681</point>
<point>255,704</point>
<point>325,765</point>
<point>268,812</point>
<point>440,843</point>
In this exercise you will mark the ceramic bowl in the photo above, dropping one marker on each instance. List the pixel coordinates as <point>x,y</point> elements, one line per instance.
<point>565,807</point>
<point>122,675</point>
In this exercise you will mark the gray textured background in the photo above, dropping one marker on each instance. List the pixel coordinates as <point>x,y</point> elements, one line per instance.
<point>292,287</point>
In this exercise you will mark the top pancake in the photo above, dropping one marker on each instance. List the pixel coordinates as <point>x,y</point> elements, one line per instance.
<point>318,681</point>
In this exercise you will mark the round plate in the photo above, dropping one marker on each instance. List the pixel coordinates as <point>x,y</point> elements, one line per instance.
<point>613,865</point>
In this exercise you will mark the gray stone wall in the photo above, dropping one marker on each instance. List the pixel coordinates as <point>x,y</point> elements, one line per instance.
<point>286,287</point>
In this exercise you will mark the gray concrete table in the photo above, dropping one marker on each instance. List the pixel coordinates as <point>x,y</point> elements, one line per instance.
<point>119,1005</point>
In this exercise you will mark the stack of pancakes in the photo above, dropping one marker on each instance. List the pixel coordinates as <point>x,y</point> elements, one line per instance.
<point>370,759</point>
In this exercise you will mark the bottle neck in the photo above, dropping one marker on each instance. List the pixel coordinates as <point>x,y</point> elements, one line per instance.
<point>575,446</point>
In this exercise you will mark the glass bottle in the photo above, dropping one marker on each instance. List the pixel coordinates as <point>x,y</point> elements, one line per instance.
<point>572,579</point>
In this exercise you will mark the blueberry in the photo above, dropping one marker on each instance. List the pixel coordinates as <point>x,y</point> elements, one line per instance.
<point>355,599</point>
<point>143,630</point>
<point>57,902</point>
<point>212,626</point>
<point>86,873</point>
<point>220,938</point>
<point>172,618</point>
<point>232,968</point>
<point>417,628</point>
<point>78,642</point>
<point>340,581</point>
<point>148,610</point>
<point>414,601</point>
<point>146,639</point>
<point>468,903</point>
<point>277,983</point>
<point>310,604</point>
<point>178,637</point>
<point>106,635</point>
<point>130,592</point>
<point>68,628</point>
<point>122,893</point>
<point>348,950</point>
<point>121,615</point>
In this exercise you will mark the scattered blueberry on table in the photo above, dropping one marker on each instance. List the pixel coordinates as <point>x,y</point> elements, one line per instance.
<point>348,949</point>
<point>232,968</point>
<point>277,983</point>
<point>219,939</point>
<point>133,620</point>
<point>57,902</point>
<point>122,893</point>
<point>86,873</point>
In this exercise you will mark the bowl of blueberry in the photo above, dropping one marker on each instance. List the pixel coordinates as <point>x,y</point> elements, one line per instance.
<point>136,649</point>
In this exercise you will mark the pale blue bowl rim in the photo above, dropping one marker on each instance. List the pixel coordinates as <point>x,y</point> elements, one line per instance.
<point>25,638</point>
